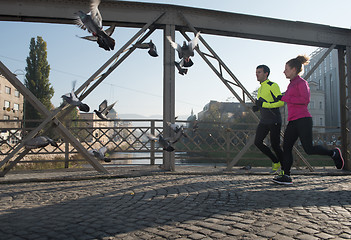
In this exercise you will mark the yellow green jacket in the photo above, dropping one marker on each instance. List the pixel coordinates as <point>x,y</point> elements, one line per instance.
<point>268,93</point>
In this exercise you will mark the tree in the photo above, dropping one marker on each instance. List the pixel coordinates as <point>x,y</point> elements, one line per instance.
<point>37,78</point>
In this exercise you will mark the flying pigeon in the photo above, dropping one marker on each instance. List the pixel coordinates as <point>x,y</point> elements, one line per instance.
<point>178,130</point>
<point>99,153</point>
<point>104,110</point>
<point>186,51</point>
<point>150,45</point>
<point>92,21</point>
<point>181,70</point>
<point>72,99</point>
<point>164,142</point>
<point>38,142</point>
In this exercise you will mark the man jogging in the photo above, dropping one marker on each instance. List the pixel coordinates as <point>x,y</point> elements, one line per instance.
<point>271,120</point>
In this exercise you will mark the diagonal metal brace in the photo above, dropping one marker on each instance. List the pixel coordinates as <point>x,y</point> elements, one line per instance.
<point>42,109</point>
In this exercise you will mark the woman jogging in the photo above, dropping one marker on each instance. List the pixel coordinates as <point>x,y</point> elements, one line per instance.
<point>297,97</point>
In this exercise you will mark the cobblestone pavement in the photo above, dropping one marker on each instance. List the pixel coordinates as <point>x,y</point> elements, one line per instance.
<point>178,206</point>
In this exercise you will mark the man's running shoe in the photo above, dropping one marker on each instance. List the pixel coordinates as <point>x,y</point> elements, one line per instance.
<point>283,179</point>
<point>337,157</point>
<point>275,168</point>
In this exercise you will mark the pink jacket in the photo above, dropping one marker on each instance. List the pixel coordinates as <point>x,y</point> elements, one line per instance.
<point>297,97</point>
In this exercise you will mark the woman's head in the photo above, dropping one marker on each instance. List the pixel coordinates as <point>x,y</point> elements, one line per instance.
<point>294,66</point>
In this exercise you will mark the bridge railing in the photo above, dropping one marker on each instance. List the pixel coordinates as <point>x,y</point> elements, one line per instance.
<point>127,142</point>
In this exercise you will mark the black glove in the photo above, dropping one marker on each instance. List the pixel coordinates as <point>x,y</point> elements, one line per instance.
<point>259,103</point>
<point>279,97</point>
<point>255,108</point>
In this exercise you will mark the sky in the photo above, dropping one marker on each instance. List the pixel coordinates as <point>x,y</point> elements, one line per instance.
<point>137,84</point>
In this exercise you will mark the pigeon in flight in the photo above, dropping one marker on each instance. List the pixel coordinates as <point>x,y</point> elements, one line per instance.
<point>150,45</point>
<point>38,142</point>
<point>72,99</point>
<point>92,21</point>
<point>178,130</point>
<point>164,142</point>
<point>186,51</point>
<point>99,153</point>
<point>104,110</point>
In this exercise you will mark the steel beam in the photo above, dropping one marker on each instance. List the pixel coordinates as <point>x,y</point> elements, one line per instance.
<point>168,93</point>
<point>134,14</point>
<point>344,98</point>
<point>348,108</point>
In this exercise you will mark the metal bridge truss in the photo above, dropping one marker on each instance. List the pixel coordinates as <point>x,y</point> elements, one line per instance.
<point>169,19</point>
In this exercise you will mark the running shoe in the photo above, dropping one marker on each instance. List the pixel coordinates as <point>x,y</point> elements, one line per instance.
<point>337,157</point>
<point>275,168</point>
<point>283,179</point>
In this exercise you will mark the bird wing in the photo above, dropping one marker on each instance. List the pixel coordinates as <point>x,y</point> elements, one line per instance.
<point>175,45</point>
<point>108,108</point>
<point>193,43</point>
<point>103,106</point>
<point>74,96</point>
<point>79,23</point>
<point>102,151</point>
<point>110,30</point>
<point>177,136</point>
<point>95,13</point>
<point>152,137</point>
<point>173,126</point>
<point>90,38</point>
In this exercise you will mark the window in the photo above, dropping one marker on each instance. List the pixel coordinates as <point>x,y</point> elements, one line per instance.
<point>17,93</point>
<point>15,107</point>
<point>321,122</point>
<point>7,104</point>
<point>320,105</point>
<point>6,117</point>
<point>15,118</point>
<point>312,105</point>
<point>7,90</point>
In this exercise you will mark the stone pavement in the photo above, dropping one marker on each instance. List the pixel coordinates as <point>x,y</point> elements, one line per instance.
<point>191,203</point>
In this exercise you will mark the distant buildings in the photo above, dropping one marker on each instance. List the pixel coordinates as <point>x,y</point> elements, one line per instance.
<point>11,108</point>
<point>222,110</point>
<point>11,101</point>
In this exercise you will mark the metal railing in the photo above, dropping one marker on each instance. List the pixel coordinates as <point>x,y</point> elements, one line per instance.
<point>127,141</point>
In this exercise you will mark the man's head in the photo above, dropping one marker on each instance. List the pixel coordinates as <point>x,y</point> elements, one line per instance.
<point>262,73</point>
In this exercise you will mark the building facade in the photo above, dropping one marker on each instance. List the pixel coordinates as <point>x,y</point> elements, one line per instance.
<point>11,109</point>
<point>326,79</point>
<point>11,101</point>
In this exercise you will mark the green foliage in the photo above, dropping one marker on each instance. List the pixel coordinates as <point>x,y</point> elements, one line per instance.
<point>37,77</point>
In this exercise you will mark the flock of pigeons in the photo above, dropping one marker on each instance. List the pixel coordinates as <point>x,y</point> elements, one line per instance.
<point>92,22</point>
<point>166,143</point>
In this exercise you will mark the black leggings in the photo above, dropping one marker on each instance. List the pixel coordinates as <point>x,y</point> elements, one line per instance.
<point>274,130</point>
<point>300,128</point>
